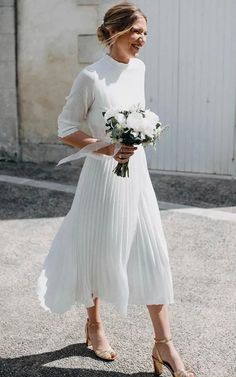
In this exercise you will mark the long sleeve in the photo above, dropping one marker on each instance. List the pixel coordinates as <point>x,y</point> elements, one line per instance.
<point>78,103</point>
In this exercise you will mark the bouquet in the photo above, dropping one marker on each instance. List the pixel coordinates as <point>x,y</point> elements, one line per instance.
<point>132,127</point>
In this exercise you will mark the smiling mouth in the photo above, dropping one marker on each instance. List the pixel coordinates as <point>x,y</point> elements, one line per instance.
<point>137,47</point>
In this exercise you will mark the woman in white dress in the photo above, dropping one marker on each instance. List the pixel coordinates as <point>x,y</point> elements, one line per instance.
<point>111,245</point>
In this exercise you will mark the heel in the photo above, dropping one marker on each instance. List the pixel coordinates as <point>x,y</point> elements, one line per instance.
<point>159,363</point>
<point>87,339</point>
<point>158,367</point>
<point>107,354</point>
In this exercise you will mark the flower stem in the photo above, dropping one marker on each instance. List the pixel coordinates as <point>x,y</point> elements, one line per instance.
<point>122,170</point>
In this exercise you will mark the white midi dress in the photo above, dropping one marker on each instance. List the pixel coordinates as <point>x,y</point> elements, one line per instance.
<point>111,244</point>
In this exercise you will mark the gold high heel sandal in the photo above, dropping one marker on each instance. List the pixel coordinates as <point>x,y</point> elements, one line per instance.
<point>108,354</point>
<point>159,363</point>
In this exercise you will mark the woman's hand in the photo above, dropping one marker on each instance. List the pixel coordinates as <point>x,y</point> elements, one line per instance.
<point>109,150</point>
<point>124,153</point>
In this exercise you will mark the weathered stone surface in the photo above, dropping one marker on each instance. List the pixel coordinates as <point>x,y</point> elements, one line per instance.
<point>6,20</point>
<point>87,19</point>
<point>8,108</point>
<point>9,147</point>
<point>7,47</point>
<point>48,62</point>
<point>89,49</point>
<point>49,58</point>
<point>44,152</point>
<point>7,75</point>
<point>8,125</point>
<point>9,152</point>
<point>88,2</point>
<point>6,3</point>
<point>103,7</point>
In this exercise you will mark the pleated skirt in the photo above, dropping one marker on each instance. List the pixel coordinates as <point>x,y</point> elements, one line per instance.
<point>111,243</point>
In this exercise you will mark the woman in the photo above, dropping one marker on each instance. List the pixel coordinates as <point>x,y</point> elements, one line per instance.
<point>111,244</point>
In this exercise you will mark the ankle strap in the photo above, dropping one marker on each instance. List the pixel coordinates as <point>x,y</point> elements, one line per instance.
<point>164,340</point>
<point>96,323</point>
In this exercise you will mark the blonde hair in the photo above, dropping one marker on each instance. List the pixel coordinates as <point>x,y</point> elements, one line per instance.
<point>119,18</point>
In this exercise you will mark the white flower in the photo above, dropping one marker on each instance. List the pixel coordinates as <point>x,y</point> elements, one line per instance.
<point>121,119</point>
<point>136,108</point>
<point>151,117</point>
<point>111,113</point>
<point>143,135</point>
<point>135,121</point>
<point>148,128</point>
<point>133,108</point>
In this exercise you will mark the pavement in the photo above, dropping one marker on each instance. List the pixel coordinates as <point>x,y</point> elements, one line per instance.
<point>199,221</point>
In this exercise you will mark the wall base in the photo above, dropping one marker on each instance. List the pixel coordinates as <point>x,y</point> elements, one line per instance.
<point>31,152</point>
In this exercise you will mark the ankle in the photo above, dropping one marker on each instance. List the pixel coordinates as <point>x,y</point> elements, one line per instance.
<point>164,340</point>
<point>94,322</point>
<point>95,326</point>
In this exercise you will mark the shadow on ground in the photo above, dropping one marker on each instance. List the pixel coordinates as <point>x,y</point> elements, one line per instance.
<point>19,202</point>
<point>35,365</point>
<point>23,202</point>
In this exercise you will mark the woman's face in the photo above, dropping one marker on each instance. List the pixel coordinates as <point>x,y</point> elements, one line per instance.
<point>129,44</point>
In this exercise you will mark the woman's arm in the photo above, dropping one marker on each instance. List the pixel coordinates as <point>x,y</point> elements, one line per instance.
<point>80,139</point>
<point>73,116</point>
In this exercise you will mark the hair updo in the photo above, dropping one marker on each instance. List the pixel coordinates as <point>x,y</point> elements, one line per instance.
<point>119,18</point>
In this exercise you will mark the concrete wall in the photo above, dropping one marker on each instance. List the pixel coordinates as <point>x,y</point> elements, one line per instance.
<point>56,39</point>
<point>9,144</point>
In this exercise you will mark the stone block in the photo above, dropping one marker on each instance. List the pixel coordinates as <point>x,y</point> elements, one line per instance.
<point>7,20</point>
<point>7,47</point>
<point>104,6</point>
<point>6,3</point>
<point>88,2</point>
<point>45,152</point>
<point>87,20</point>
<point>7,104</point>
<point>9,152</point>
<point>8,117</point>
<point>7,75</point>
<point>89,49</point>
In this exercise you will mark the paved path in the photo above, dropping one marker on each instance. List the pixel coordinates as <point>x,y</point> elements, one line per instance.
<point>229,213</point>
<point>202,249</point>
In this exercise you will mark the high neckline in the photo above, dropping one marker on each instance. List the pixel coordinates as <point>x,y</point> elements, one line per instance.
<point>117,63</point>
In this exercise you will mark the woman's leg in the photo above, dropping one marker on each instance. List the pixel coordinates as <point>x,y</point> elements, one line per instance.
<point>160,320</point>
<point>96,331</point>
<point>161,325</point>
<point>94,311</point>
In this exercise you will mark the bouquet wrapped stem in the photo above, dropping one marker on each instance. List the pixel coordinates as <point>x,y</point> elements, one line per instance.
<point>122,170</point>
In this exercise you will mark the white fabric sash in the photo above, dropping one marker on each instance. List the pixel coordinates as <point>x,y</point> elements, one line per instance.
<point>89,150</point>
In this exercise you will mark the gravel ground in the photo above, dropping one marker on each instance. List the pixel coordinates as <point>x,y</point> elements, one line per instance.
<point>37,343</point>
<point>19,202</point>
<point>202,254</point>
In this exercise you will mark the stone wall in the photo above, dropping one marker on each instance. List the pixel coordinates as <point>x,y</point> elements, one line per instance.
<point>9,143</point>
<point>56,39</point>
